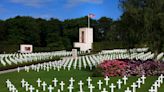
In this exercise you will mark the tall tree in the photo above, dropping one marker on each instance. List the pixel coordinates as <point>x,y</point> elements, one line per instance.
<point>142,20</point>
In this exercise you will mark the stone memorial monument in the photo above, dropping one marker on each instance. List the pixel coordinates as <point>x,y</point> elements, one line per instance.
<point>26,48</point>
<point>85,39</point>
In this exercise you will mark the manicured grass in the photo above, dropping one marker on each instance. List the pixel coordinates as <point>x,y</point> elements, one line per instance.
<point>64,75</point>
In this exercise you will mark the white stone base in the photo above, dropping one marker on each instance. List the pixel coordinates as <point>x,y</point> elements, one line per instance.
<point>83,46</point>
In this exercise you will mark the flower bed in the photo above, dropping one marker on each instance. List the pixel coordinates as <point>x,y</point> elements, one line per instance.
<point>129,68</point>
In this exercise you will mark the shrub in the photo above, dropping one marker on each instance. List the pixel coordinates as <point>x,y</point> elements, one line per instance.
<point>113,68</point>
<point>129,68</point>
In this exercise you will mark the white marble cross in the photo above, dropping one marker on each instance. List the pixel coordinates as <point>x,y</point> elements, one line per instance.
<point>106,80</point>
<point>119,82</point>
<point>31,88</point>
<point>112,86</point>
<point>26,86</point>
<point>39,82</point>
<point>91,87</point>
<point>89,81</point>
<point>125,79</point>
<point>134,86</point>
<point>62,85</point>
<point>44,85</point>
<point>55,82</point>
<point>23,82</point>
<point>81,85</point>
<point>71,81</point>
<point>8,81</point>
<point>143,79</point>
<point>161,77</point>
<point>70,88</point>
<point>50,88</point>
<point>99,84</point>
<point>139,82</point>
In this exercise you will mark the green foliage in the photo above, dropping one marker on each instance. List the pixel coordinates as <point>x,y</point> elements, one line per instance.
<point>143,23</point>
<point>98,46</point>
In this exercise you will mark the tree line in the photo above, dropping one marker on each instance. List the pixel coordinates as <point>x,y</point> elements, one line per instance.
<point>140,25</point>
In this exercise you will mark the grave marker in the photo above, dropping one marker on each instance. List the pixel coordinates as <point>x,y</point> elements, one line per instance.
<point>99,84</point>
<point>112,86</point>
<point>106,80</point>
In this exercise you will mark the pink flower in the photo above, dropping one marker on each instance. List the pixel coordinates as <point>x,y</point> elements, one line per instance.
<point>113,67</point>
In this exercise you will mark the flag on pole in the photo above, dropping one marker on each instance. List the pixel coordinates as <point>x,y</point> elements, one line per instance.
<point>91,15</point>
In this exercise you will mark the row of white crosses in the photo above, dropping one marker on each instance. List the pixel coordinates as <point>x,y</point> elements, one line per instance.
<point>66,63</point>
<point>88,60</point>
<point>78,62</point>
<point>137,53</point>
<point>43,85</point>
<point>125,55</point>
<point>8,59</point>
<point>100,84</point>
<point>141,56</point>
<point>10,86</point>
<point>124,82</point>
<point>157,84</point>
<point>111,54</point>
<point>70,88</point>
<point>40,83</point>
<point>124,50</point>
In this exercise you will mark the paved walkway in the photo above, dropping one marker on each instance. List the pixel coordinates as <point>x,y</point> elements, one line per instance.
<point>10,70</point>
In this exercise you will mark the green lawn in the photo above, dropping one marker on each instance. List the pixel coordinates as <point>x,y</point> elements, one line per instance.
<point>64,75</point>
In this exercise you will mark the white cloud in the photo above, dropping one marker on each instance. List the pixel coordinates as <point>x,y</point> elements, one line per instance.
<point>32,3</point>
<point>72,3</point>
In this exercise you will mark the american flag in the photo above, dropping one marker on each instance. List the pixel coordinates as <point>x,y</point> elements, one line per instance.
<point>91,15</point>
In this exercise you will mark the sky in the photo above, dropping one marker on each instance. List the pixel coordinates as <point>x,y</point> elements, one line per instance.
<point>61,9</point>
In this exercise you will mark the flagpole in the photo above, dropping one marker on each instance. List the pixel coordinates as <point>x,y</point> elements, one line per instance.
<point>88,21</point>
